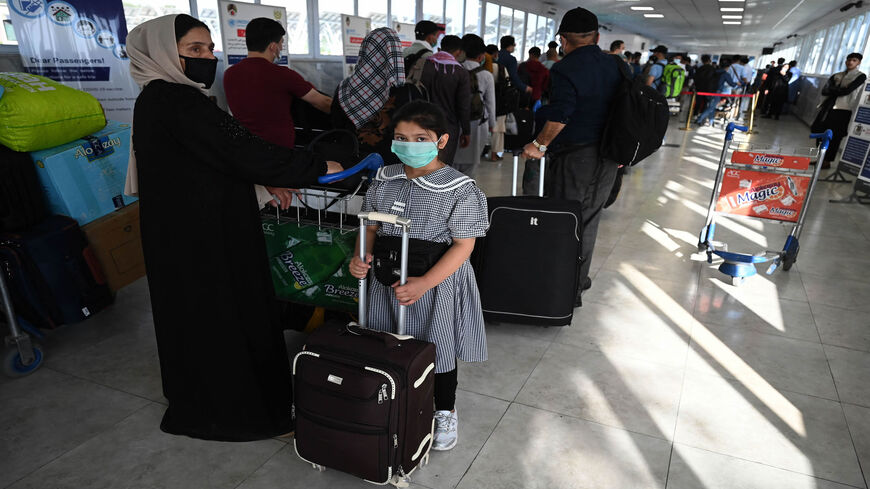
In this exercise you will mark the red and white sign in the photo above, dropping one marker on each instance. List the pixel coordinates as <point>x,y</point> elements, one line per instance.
<point>763,195</point>
<point>771,160</point>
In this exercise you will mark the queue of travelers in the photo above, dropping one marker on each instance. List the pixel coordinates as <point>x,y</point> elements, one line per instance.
<point>190,154</point>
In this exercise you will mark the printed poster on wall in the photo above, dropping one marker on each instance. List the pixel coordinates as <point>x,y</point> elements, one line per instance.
<point>858,140</point>
<point>234,18</point>
<point>764,195</point>
<point>353,30</point>
<point>405,32</point>
<point>80,43</point>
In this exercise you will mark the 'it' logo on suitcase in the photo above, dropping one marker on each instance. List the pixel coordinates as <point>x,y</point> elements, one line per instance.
<point>533,221</point>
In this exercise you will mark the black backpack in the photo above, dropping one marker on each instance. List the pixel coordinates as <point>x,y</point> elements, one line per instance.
<point>476,98</point>
<point>411,60</point>
<point>507,96</point>
<point>637,121</point>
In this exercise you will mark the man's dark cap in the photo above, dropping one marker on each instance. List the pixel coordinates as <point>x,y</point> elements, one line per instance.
<point>426,27</point>
<point>660,49</point>
<point>578,20</point>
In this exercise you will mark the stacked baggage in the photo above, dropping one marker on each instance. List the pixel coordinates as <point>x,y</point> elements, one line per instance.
<point>62,166</point>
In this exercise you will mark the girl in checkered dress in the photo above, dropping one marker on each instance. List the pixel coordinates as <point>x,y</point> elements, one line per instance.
<point>444,207</point>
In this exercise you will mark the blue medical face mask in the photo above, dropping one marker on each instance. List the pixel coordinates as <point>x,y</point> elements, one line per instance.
<point>416,154</point>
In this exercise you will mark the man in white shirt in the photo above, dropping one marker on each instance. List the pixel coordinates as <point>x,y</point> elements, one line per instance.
<point>426,33</point>
<point>841,94</point>
<point>467,159</point>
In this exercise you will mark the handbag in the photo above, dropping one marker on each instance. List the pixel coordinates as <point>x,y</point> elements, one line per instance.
<point>510,125</point>
<point>422,256</point>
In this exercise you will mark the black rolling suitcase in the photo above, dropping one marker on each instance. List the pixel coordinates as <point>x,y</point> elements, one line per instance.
<point>527,266</point>
<point>364,400</point>
<point>53,274</point>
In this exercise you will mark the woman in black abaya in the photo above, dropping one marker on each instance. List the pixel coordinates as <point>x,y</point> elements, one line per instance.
<point>223,360</point>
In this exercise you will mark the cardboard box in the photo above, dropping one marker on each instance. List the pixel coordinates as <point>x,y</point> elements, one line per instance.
<point>85,179</point>
<point>117,243</point>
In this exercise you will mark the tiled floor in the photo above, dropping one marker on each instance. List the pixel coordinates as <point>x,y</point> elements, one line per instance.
<point>668,377</point>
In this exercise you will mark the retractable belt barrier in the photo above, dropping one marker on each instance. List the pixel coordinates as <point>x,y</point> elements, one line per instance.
<point>710,94</point>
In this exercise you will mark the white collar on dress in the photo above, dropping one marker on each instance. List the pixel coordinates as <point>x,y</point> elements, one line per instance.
<point>445,179</point>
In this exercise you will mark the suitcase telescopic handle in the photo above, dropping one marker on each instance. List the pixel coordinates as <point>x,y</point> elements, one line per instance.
<point>540,176</point>
<point>405,224</point>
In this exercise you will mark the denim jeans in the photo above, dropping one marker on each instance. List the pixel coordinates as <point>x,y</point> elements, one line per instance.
<point>710,110</point>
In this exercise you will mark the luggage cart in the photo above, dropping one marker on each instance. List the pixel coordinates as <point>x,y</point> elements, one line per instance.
<point>310,243</point>
<point>20,356</point>
<point>783,195</point>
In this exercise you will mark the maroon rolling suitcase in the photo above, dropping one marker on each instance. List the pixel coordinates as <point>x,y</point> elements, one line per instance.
<point>364,399</point>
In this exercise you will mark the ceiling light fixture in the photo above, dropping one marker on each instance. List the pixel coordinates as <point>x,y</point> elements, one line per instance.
<point>731,22</point>
<point>732,16</point>
<point>642,8</point>
<point>654,16</point>
<point>731,9</point>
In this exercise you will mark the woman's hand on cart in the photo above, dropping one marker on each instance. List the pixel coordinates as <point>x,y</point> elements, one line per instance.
<point>333,167</point>
<point>283,197</point>
<point>359,269</point>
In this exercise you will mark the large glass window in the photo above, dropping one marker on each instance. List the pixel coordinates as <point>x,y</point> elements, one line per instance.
<point>531,31</point>
<point>432,10</point>
<point>208,13</point>
<point>404,11</point>
<point>453,13</point>
<point>506,18</point>
<point>850,43</point>
<point>297,23</point>
<point>815,52</point>
<point>829,52</point>
<point>373,9</point>
<point>7,34</point>
<point>490,25</point>
<point>330,25</point>
<point>139,11</point>
<point>472,17</point>
<point>518,31</point>
<point>551,30</point>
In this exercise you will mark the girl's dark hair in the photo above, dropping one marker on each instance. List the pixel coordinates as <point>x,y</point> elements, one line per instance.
<point>553,45</point>
<point>184,23</point>
<point>492,49</point>
<point>426,115</point>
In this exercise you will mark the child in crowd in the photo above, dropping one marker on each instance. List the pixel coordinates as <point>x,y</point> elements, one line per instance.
<point>447,213</point>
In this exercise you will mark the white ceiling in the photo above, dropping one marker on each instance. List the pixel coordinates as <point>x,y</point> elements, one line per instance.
<point>696,25</point>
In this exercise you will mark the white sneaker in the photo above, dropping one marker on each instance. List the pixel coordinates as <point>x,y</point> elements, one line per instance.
<point>446,434</point>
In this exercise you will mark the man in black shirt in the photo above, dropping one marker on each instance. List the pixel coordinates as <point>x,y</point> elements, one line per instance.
<point>582,87</point>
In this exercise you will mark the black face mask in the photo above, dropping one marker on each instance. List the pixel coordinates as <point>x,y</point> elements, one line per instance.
<point>200,70</point>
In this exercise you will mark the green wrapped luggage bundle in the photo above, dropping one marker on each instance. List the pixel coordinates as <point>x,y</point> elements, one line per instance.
<point>38,113</point>
<point>310,265</point>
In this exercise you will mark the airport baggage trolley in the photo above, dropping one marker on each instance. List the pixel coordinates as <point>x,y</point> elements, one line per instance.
<point>309,245</point>
<point>765,184</point>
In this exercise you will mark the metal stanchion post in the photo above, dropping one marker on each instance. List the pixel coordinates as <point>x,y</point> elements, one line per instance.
<point>691,112</point>
<point>752,113</point>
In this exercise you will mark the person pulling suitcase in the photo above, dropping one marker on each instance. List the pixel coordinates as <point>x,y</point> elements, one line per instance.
<point>449,212</point>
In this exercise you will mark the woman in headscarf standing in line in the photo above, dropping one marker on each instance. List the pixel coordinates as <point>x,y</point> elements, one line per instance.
<point>363,100</point>
<point>223,359</point>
